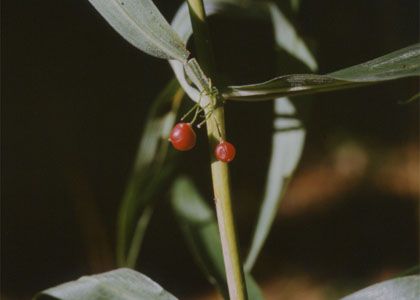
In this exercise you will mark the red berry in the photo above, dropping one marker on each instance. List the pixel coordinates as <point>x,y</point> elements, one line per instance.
<point>225,151</point>
<point>182,137</point>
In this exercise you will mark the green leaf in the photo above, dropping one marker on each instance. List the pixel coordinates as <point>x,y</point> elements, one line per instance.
<point>287,145</point>
<point>287,38</point>
<point>253,290</point>
<point>404,288</point>
<point>182,26</point>
<point>399,64</point>
<point>141,24</point>
<point>289,136</point>
<point>287,141</point>
<point>295,4</point>
<point>150,172</point>
<point>411,99</point>
<point>199,226</point>
<point>117,284</point>
<point>285,35</point>
<point>410,271</point>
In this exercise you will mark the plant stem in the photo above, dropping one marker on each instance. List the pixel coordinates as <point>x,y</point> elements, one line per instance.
<point>219,170</point>
<point>225,220</point>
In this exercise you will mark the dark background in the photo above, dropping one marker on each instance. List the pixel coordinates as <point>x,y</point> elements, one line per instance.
<point>74,98</point>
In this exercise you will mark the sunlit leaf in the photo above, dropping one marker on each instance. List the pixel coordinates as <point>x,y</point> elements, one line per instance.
<point>287,38</point>
<point>150,171</point>
<point>287,145</point>
<point>404,288</point>
<point>117,284</point>
<point>141,24</point>
<point>199,226</point>
<point>287,141</point>
<point>398,64</point>
<point>283,86</point>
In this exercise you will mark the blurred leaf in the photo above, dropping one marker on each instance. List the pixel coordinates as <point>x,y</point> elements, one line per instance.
<point>411,99</point>
<point>287,38</point>
<point>117,284</point>
<point>252,288</point>
<point>141,24</point>
<point>399,64</point>
<point>295,4</point>
<point>199,226</point>
<point>287,146</point>
<point>404,288</point>
<point>287,141</point>
<point>411,271</point>
<point>149,174</point>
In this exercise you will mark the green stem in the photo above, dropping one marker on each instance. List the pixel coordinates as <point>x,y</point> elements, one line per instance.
<point>219,170</point>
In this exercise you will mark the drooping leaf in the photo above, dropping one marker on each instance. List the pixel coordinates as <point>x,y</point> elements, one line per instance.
<point>141,24</point>
<point>287,38</point>
<point>199,226</point>
<point>150,171</point>
<point>404,288</point>
<point>117,284</point>
<point>399,64</point>
<point>287,145</point>
<point>287,141</point>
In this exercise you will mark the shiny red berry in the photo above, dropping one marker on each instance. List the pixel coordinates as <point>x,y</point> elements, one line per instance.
<point>182,137</point>
<point>225,151</point>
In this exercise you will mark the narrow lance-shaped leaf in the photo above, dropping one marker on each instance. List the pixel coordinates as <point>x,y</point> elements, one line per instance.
<point>199,226</point>
<point>141,24</point>
<point>287,38</point>
<point>411,99</point>
<point>288,140</point>
<point>399,64</point>
<point>404,288</point>
<point>117,284</point>
<point>150,171</point>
